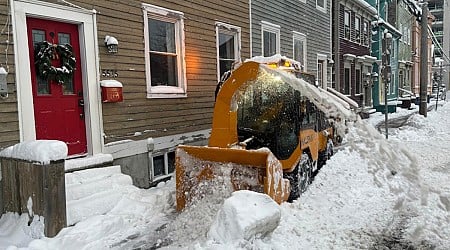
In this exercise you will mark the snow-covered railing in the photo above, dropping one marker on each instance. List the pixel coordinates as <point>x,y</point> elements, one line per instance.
<point>33,182</point>
<point>343,97</point>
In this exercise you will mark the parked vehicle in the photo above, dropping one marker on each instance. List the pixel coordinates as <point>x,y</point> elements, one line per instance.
<point>267,136</point>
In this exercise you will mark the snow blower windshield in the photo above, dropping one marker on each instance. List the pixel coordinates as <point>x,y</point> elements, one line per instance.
<point>271,112</point>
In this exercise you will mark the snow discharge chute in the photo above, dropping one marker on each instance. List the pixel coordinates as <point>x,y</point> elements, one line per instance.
<point>269,133</point>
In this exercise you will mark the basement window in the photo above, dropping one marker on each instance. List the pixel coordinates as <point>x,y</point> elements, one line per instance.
<point>163,165</point>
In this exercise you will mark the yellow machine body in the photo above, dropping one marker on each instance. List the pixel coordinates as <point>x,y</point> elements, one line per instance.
<point>260,168</point>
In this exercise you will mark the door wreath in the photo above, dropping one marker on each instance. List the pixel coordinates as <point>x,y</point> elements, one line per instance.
<point>45,52</point>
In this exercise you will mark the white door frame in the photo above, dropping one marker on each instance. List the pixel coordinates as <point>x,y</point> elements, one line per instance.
<point>86,21</point>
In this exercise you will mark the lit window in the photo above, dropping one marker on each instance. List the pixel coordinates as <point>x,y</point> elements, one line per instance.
<point>164,52</point>
<point>228,47</point>
<point>270,39</point>
<point>299,46</point>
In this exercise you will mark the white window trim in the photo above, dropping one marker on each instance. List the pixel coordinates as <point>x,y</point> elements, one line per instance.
<point>323,57</point>
<point>87,27</point>
<point>166,173</point>
<point>273,28</point>
<point>324,8</point>
<point>303,1</point>
<point>302,37</point>
<point>232,30</point>
<point>177,18</point>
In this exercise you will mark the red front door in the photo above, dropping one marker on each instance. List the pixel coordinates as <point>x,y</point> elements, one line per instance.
<point>58,105</point>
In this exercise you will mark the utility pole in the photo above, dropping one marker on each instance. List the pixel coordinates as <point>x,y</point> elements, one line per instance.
<point>424,60</point>
<point>386,46</point>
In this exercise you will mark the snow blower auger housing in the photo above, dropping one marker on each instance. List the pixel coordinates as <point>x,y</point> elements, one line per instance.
<point>267,136</point>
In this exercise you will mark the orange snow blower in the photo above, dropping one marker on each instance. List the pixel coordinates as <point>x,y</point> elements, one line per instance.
<point>267,136</point>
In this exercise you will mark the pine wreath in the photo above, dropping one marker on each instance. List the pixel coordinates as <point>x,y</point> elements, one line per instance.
<point>45,52</point>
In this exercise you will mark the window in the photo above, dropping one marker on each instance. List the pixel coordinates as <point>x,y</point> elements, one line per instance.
<point>270,39</point>
<point>321,5</point>
<point>163,165</point>
<point>347,81</point>
<point>164,52</point>
<point>299,45</point>
<point>409,36</point>
<point>347,25</point>
<point>320,73</point>
<point>228,47</point>
<point>358,82</point>
<point>358,29</point>
<point>366,34</point>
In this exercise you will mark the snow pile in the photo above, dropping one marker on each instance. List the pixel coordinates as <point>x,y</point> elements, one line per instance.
<point>245,215</point>
<point>41,151</point>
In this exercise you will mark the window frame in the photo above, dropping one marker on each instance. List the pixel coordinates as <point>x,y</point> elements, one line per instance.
<point>357,29</point>
<point>322,8</point>
<point>177,18</point>
<point>229,29</point>
<point>166,173</point>
<point>272,28</point>
<point>347,66</point>
<point>358,85</point>
<point>347,26</point>
<point>302,37</point>
<point>366,35</point>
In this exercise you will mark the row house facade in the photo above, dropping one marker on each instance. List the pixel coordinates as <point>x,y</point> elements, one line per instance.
<point>298,29</point>
<point>405,22</point>
<point>352,50</point>
<point>386,23</point>
<point>141,75</point>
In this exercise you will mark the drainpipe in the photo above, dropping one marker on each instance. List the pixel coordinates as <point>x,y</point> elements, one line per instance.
<point>336,47</point>
<point>251,31</point>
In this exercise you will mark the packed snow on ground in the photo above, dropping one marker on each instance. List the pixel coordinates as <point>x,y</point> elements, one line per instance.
<point>372,193</point>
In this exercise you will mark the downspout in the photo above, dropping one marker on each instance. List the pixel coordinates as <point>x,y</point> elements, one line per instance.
<point>250,26</point>
<point>336,52</point>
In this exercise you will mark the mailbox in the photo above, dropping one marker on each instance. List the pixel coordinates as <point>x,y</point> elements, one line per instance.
<point>111,91</point>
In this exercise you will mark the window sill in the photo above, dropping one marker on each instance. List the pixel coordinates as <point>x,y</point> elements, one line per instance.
<point>165,95</point>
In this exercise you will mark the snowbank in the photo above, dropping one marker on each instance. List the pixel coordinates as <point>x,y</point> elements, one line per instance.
<point>245,215</point>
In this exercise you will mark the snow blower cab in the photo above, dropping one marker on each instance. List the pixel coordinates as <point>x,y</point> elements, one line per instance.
<point>267,136</point>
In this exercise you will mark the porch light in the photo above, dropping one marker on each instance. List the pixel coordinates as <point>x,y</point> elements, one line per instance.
<point>111,44</point>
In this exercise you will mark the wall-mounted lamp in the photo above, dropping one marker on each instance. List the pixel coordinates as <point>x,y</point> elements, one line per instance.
<point>111,44</point>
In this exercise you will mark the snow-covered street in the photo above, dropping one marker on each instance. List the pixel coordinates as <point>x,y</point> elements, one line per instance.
<point>372,193</point>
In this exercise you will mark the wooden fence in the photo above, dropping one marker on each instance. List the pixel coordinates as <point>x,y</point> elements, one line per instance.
<point>44,184</point>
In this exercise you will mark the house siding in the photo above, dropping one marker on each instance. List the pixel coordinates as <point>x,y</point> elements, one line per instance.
<point>139,117</point>
<point>294,15</point>
<point>9,118</point>
<point>350,47</point>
